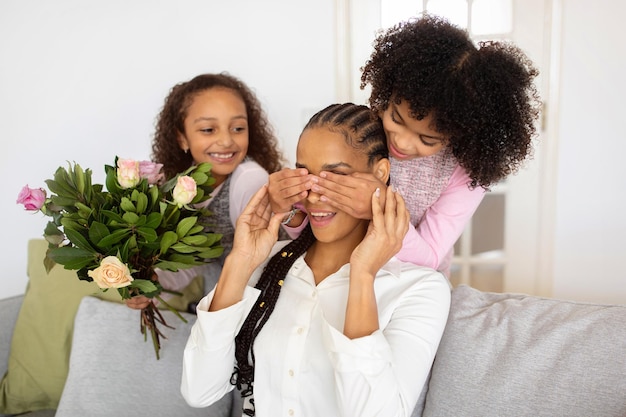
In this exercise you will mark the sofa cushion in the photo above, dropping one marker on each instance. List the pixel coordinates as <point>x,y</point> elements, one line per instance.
<point>518,355</point>
<point>114,372</point>
<point>40,346</point>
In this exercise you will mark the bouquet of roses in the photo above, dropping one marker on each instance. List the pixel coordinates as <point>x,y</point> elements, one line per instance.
<point>117,237</point>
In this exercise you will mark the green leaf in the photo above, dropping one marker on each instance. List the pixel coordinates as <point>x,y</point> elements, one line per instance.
<point>111,215</point>
<point>200,177</point>
<point>169,238</point>
<point>130,218</point>
<point>195,240</point>
<point>150,235</point>
<point>72,257</point>
<point>185,225</point>
<point>183,248</point>
<point>97,232</point>
<point>127,205</point>
<point>115,237</point>
<point>79,240</point>
<point>211,253</point>
<point>144,285</point>
<point>142,203</point>
<point>154,220</point>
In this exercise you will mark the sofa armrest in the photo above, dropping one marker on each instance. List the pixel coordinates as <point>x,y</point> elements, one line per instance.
<point>9,309</point>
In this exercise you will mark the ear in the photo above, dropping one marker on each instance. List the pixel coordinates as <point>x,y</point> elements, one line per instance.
<point>182,143</point>
<point>382,169</point>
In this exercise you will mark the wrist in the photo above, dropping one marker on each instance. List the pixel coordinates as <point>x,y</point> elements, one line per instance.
<point>289,220</point>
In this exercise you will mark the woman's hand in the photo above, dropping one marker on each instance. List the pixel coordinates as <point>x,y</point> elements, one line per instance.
<point>384,235</point>
<point>256,230</point>
<point>288,186</point>
<point>349,193</point>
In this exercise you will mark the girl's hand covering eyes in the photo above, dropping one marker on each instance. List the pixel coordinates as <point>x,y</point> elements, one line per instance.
<point>349,193</point>
<point>288,186</point>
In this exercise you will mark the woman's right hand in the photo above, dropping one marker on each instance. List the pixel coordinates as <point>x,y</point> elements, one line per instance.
<point>256,230</point>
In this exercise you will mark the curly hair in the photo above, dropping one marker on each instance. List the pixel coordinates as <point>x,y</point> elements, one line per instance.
<point>482,99</point>
<point>263,144</point>
<point>362,130</point>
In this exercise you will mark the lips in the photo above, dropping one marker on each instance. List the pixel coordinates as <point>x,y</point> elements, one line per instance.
<point>222,157</point>
<point>396,153</point>
<point>320,218</point>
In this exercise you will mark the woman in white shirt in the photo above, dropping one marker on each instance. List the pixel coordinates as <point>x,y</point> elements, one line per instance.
<point>331,324</point>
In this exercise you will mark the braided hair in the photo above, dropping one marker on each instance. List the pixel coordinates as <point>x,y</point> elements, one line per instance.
<point>362,130</point>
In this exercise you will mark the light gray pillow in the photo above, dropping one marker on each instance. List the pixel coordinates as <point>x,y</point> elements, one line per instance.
<point>517,355</point>
<point>114,372</point>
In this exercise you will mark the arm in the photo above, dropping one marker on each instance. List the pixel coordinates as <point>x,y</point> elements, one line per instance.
<point>383,373</point>
<point>382,241</point>
<point>209,355</point>
<point>442,224</point>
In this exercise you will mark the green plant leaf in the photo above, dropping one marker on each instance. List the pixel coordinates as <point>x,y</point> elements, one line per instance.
<point>154,220</point>
<point>127,205</point>
<point>195,240</point>
<point>72,257</point>
<point>142,203</point>
<point>97,232</point>
<point>144,285</point>
<point>79,240</point>
<point>185,225</point>
<point>215,252</point>
<point>113,238</point>
<point>183,248</point>
<point>169,238</point>
<point>130,218</point>
<point>150,235</point>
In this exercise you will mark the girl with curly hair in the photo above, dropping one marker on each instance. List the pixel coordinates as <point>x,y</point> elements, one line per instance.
<point>458,119</point>
<point>215,118</point>
<point>331,324</point>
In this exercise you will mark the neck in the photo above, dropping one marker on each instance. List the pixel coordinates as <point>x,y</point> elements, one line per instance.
<point>325,258</point>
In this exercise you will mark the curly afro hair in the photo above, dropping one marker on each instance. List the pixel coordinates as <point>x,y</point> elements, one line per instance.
<point>263,145</point>
<point>482,99</point>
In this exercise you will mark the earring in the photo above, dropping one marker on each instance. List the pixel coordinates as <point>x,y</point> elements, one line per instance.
<point>186,151</point>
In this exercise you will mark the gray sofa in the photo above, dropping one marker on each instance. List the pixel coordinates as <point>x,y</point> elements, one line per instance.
<point>501,355</point>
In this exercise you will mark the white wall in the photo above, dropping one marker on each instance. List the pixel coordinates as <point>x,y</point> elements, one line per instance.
<point>83,81</point>
<point>590,226</point>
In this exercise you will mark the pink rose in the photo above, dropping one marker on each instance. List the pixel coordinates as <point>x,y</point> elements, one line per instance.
<point>184,191</point>
<point>128,172</point>
<point>111,273</point>
<point>151,171</point>
<point>33,199</point>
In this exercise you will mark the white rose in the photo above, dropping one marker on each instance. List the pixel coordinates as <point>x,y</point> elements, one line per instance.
<point>111,273</point>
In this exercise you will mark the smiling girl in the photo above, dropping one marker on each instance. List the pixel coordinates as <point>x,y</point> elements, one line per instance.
<point>331,324</point>
<point>458,118</point>
<point>216,118</point>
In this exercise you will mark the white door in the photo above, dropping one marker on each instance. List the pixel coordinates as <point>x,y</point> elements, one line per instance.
<point>502,249</point>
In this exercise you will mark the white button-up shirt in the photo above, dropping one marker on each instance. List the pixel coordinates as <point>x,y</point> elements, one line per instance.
<point>305,366</point>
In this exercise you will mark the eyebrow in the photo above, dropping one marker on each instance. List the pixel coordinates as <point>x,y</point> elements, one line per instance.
<point>203,119</point>
<point>328,167</point>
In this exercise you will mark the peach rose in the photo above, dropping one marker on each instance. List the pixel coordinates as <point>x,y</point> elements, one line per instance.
<point>184,191</point>
<point>111,273</point>
<point>128,172</point>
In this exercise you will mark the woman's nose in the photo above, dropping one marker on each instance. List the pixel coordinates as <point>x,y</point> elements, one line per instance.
<point>313,197</point>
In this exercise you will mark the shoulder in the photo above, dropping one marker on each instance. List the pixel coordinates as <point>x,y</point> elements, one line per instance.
<point>249,171</point>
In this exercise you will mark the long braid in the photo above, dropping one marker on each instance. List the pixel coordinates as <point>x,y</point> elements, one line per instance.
<point>270,284</point>
<point>362,130</point>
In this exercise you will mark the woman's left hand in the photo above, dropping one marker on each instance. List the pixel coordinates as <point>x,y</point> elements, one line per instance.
<point>384,235</point>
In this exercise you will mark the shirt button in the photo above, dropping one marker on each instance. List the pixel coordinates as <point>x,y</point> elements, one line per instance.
<point>291,372</point>
<point>291,412</point>
<point>300,330</point>
<point>314,294</point>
